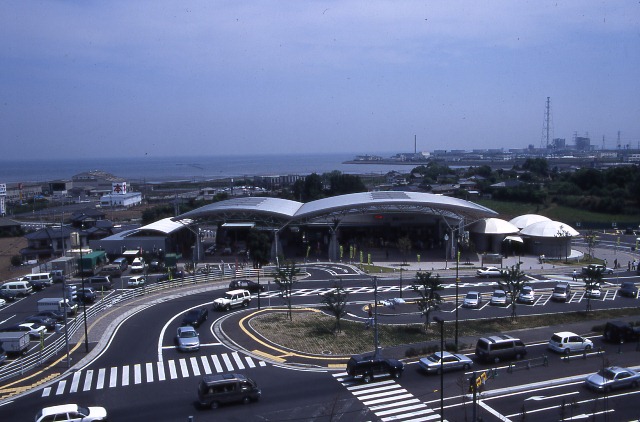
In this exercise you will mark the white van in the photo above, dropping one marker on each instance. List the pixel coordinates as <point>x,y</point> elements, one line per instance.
<point>40,278</point>
<point>20,288</point>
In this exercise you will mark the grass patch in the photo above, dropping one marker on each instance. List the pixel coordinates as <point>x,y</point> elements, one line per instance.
<point>312,332</point>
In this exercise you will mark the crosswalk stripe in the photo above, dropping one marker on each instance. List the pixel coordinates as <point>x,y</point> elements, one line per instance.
<point>373,389</point>
<point>423,411</point>
<point>431,417</point>
<point>125,375</point>
<point>216,363</point>
<point>87,380</point>
<point>74,382</point>
<point>394,404</point>
<point>160,366</point>
<point>250,362</point>
<point>100,382</point>
<point>376,401</point>
<point>238,360</point>
<point>401,409</point>
<point>61,386</point>
<point>227,362</point>
<point>183,368</point>
<point>149,371</point>
<point>113,377</point>
<point>382,394</point>
<point>145,372</point>
<point>195,367</point>
<point>137,374</point>
<point>205,364</point>
<point>172,369</point>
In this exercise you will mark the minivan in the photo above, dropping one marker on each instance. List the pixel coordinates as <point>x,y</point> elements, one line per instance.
<point>561,292</point>
<point>215,390</point>
<point>101,282</point>
<point>38,280</point>
<point>122,263</point>
<point>501,347</point>
<point>20,288</point>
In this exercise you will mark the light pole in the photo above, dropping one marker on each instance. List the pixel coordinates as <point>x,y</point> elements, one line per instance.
<point>376,344</point>
<point>78,241</point>
<point>440,321</point>
<point>446,251</point>
<point>457,285</point>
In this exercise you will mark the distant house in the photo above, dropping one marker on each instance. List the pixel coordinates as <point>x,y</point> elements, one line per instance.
<point>507,184</point>
<point>49,242</point>
<point>87,217</point>
<point>9,228</point>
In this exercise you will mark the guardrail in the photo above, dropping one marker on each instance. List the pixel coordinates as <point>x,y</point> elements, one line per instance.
<point>528,364</point>
<point>583,355</point>
<point>52,350</point>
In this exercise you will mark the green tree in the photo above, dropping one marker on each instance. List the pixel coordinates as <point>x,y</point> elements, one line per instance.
<point>591,239</point>
<point>342,184</point>
<point>512,282</point>
<point>259,248</point>
<point>427,287</point>
<point>285,279</point>
<point>404,245</point>
<point>335,301</point>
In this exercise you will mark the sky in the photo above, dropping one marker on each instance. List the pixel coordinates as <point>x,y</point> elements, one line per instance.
<point>184,78</point>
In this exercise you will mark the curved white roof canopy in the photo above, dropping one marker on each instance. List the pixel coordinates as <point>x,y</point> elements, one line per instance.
<point>493,226</point>
<point>549,229</point>
<point>527,219</point>
<point>274,211</point>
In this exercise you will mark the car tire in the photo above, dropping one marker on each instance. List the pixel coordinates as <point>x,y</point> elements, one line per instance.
<point>567,351</point>
<point>367,378</point>
<point>214,405</point>
<point>439,371</point>
<point>396,374</point>
<point>466,366</point>
<point>518,356</point>
<point>496,360</point>
<point>246,400</point>
<point>227,308</point>
<point>245,304</point>
<point>587,348</point>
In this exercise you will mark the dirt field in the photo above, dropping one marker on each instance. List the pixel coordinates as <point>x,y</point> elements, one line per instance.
<point>10,246</point>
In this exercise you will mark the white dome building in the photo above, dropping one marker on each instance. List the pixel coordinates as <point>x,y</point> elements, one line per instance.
<point>488,234</point>
<point>527,219</point>
<point>549,238</point>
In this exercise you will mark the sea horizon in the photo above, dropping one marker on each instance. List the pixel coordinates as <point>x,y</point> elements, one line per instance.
<point>193,168</point>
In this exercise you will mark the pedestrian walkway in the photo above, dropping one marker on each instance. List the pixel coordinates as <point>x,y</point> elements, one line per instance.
<point>126,375</point>
<point>388,400</point>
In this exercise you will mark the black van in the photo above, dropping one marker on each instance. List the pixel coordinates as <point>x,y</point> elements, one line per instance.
<point>101,282</point>
<point>620,332</point>
<point>215,390</point>
<point>497,348</point>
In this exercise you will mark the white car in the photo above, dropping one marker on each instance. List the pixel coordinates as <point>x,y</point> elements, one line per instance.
<point>489,272</point>
<point>35,330</point>
<point>136,281</point>
<point>499,298</point>
<point>567,342</point>
<point>594,292</point>
<point>2,302</point>
<point>138,265</point>
<point>71,412</point>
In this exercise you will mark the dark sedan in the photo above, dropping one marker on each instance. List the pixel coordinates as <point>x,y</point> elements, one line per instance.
<point>48,323</point>
<point>8,295</point>
<point>55,315</point>
<point>252,286</point>
<point>195,317</point>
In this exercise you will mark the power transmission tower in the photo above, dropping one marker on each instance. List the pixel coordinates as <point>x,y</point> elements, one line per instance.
<point>547,130</point>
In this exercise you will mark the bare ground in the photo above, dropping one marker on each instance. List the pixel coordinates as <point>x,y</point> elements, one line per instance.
<point>10,246</point>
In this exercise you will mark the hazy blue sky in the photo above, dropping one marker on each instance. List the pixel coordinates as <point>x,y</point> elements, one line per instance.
<point>231,77</point>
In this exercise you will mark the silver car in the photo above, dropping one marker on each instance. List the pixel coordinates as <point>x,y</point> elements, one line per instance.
<point>613,377</point>
<point>527,295</point>
<point>450,362</point>
<point>187,339</point>
<point>472,300</point>
<point>499,297</point>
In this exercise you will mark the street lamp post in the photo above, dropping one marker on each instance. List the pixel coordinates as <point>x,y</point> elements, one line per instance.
<point>376,344</point>
<point>78,241</point>
<point>457,285</point>
<point>259,287</point>
<point>446,251</point>
<point>440,321</point>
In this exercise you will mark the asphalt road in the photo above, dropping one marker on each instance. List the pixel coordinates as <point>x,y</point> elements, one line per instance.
<point>141,375</point>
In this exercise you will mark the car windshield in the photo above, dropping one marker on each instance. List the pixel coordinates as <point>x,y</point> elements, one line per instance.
<point>188,334</point>
<point>499,294</point>
<point>607,374</point>
<point>472,295</point>
<point>434,358</point>
<point>559,290</point>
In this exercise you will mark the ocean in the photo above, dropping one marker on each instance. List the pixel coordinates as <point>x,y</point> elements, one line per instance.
<point>195,168</point>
